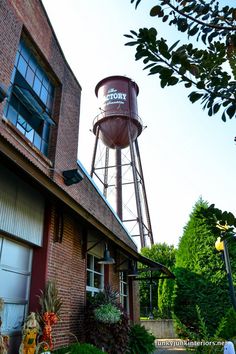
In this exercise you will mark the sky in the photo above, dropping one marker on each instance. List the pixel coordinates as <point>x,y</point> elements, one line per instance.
<point>185,153</point>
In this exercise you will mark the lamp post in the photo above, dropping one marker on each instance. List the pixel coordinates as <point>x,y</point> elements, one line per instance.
<point>222,246</point>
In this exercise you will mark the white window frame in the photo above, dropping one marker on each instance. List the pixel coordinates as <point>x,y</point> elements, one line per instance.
<point>124,294</point>
<point>92,289</point>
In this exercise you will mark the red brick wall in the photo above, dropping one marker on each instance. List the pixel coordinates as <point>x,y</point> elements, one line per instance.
<point>68,268</point>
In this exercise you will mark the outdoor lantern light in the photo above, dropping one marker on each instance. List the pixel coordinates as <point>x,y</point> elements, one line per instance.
<point>133,271</point>
<point>107,259</point>
<point>72,177</point>
<point>219,245</point>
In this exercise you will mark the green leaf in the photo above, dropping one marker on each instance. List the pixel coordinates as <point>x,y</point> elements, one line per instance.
<point>216,108</point>
<point>128,36</point>
<point>200,85</point>
<point>173,46</point>
<point>173,81</point>
<point>231,110</point>
<point>163,48</point>
<point>156,11</point>
<point>223,117</point>
<point>131,43</point>
<point>195,96</point>
<point>193,31</point>
<point>156,69</point>
<point>188,84</point>
<point>182,24</point>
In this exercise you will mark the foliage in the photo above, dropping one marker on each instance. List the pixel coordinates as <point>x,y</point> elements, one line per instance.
<point>165,292</point>
<point>140,340</point>
<point>107,313</point>
<point>113,337</point>
<point>49,299</point>
<point>203,335</point>
<point>107,296</point>
<point>229,328</point>
<point>164,254</point>
<point>200,62</point>
<point>79,348</point>
<point>200,274</point>
<point>217,219</point>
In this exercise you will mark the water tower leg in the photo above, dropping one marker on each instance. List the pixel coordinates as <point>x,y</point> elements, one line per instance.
<point>136,189</point>
<point>119,207</point>
<point>94,152</point>
<point>105,182</point>
<point>150,234</point>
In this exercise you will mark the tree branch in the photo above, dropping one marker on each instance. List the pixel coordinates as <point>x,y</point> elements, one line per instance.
<point>210,25</point>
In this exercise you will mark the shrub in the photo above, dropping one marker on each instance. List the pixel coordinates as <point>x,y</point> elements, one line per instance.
<point>107,313</point>
<point>112,337</point>
<point>140,341</point>
<point>203,334</point>
<point>200,274</point>
<point>79,348</point>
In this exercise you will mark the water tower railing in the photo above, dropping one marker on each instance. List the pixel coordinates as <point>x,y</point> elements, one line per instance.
<point>123,114</point>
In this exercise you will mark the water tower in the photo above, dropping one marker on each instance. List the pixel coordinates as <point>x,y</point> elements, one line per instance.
<point>117,165</point>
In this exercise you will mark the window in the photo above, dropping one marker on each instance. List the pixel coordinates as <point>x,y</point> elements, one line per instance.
<point>29,105</point>
<point>124,297</point>
<point>15,273</point>
<point>95,275</point>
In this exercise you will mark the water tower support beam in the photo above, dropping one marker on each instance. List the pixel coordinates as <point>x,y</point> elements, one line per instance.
<point>105,182</point>
<point>144,193</point>
<point>119,203</point>
<point>136,188</point>
<point>94,152</point>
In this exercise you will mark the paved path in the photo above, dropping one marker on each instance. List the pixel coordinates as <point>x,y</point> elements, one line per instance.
<point>169,346</point>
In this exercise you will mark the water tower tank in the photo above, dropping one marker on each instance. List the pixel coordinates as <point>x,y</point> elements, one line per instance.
<point>118,104</point>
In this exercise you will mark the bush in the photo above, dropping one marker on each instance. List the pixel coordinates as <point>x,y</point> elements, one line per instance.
<point>200,274</point>
<point>113,337</point>
<point>107,313</point>
<point>203,334</point>
<point>140,341</point>
<point>79,348</point>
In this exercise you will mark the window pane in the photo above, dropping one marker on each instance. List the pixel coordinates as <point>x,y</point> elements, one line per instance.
<point>89,261</point>
<point>37,140</point>
<point>37,85</point>
<point>33,63</point>
<point>29,133</point>
<point>22,66</point>
<point>46,82</point>
<point>39,73</point>
<point>21,124</point>
<point>46,129</point>
<point>24,51</point>
<point>49,102</point>
<point>30,76</point>
<point>97,266</point>
<point>44,95</point>
<point>44,148</point>
<point>97,281</point>
<point>13,316</point>
<point>12,114</point>
<point>89,278</point>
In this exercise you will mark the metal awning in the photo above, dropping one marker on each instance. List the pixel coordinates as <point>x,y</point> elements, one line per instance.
<point>153,266</point>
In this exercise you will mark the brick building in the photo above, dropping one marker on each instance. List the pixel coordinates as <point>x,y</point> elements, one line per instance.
<point>54,222</point>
